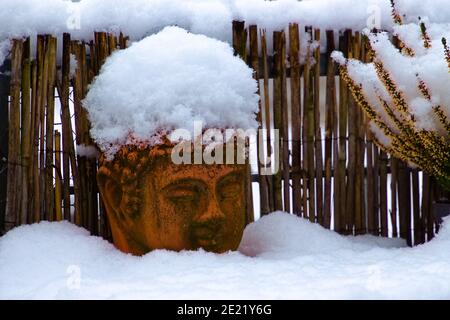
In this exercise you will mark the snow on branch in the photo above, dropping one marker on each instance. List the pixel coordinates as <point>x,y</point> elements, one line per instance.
<point>405,93</point>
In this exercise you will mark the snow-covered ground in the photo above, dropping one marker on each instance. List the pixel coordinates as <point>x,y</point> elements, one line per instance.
<point>281,257</point>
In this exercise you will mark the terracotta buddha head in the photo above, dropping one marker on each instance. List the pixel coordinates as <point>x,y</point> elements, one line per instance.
<point>164,83</point>
<point>153,203</point>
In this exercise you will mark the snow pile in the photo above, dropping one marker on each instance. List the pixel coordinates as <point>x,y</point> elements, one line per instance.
<point>292,258</point>
<point>139,18</point>
<point>166,82</point>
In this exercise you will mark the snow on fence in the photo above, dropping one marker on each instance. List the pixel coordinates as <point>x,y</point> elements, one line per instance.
<point>337,176</point>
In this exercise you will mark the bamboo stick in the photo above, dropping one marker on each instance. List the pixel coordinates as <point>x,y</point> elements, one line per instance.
<point>416,207</point>
<point>371,204</point>
<point>254,56</point>
<point>426,187</point>
<point>376,194</point>
<point>42,144</point>
<point>12,188</point>
<point>394,178</point>
<point>330,131</point>
<point>240,48</point>
<point>67,137</point>
<point>342,154</point>
<point>278,43</point>
<point>25,131</point>
<point>90,194</point>
<point>122,41</point>
<point>360,220</point>
<point>294,46</point>
<point>50,115</point>
<point>383,194</point>
<point>33,149</point>
<point>318,131</point>
<point>404,200</point>
<point>80,218</point>
<point>58,177</point>
<point>240,39</point>
<point>268,125</point>
<point>112,43</point>
<point>351,201</point>
<point>310,130</point>
<point>37,124</point>
<point>430,216</point>
<point>285,130</point>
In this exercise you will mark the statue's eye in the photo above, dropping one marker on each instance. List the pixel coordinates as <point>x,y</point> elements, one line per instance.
<point>230,190</point>
<point>182,194</point>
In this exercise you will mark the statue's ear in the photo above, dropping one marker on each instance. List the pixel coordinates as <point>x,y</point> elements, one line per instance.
<point>111,192</point>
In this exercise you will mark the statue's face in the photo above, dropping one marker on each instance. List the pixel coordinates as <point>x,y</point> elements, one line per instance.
<point>184,207</point>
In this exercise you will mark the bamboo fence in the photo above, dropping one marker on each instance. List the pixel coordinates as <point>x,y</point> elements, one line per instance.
<point>331,172</point>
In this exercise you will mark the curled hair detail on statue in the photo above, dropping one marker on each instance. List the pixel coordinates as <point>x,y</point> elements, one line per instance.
<point>130,164</point>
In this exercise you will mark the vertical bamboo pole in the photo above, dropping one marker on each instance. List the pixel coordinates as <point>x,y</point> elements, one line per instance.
<point>285,130</point>
<point>376,194</point>
<point>426,187</point>
<point>342,156</point>
<point>430,214</point>
<point>383,194</point>
<point>278,57</point>
<point>31,167</point>
<point>240,48</point>
<point>58,189</point>
<point>294,46</point>
<point>370,184</point>
<point>240,39</point>
<point>50,116</point>
<point>394,177</point>
<point>254,61</point>
<point>77,93</point>
<point>112,43</point>
<point>25,131</point>
<point>13,184</point>
<point>331,141</point>
<point>360,221</point>
<point>416,207</point>
<point>38,110</point>
<point>309,132</point>
<point>351,209</point>
<point>318,131</point>
<point>42,144</point>
<point>268,125</point>
<point>122,41</point>
<point>67,136</point>
<point>330,132</point>
<point>404,200</point>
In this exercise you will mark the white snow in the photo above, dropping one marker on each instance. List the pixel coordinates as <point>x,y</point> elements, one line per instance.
<point>168,81</point>
<point>281,256</point>
<point>87,151</point>
<point>139,18</point>
<point>5,47</point>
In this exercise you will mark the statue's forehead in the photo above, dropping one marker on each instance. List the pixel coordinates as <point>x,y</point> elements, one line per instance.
<point>210,174</point>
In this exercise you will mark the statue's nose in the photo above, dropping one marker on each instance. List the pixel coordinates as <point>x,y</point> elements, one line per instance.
<point>212,216</point>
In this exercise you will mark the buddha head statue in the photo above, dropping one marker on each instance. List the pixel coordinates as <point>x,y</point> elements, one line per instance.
<point>153,203</point>
<point>158,85</point>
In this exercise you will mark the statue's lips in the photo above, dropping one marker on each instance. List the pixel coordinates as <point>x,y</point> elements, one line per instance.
<point>206,236</point>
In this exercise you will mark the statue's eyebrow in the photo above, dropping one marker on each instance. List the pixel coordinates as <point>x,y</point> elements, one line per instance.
<point>185,183</point>
<point>230,177</point>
